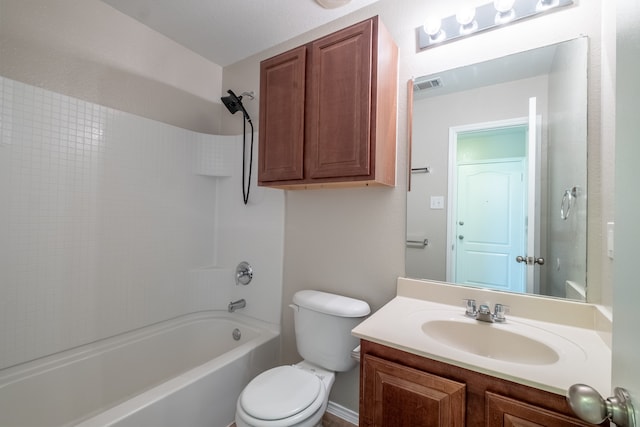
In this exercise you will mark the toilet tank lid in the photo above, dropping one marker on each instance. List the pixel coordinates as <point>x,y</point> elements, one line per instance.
<point>327,303</point>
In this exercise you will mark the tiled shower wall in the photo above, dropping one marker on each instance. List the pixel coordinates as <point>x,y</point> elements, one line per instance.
<point>102,219</point>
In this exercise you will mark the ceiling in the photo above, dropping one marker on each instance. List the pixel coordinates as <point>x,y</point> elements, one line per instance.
<point>517,66</point>
<point>226,31</point>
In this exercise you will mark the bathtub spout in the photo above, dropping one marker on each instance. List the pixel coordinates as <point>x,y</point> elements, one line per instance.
<point>234,305</point>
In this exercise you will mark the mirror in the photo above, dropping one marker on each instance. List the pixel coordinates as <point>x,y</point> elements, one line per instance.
<point>498,184</point>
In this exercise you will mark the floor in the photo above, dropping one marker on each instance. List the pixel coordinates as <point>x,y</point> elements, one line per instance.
<point>328,420</point>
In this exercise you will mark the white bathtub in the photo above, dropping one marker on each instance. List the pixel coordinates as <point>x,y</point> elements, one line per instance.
<point>187,372</point>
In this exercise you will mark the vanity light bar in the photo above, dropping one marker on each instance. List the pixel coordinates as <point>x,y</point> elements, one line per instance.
<point>486,17</point>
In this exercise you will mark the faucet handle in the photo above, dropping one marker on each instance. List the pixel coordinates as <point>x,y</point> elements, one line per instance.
<point>499,311</point>
<point>471,308</point>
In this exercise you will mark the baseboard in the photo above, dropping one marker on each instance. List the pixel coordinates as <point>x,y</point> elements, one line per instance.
<point>342,412</point>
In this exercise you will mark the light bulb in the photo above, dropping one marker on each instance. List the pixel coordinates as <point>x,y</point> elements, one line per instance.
<point>465,16</point>
<point>503,6</point>
<point>505,12</point>
<point>433,26</point>
<point>466,19</point>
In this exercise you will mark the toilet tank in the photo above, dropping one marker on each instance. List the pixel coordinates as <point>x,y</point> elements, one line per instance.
<point>323,324</point>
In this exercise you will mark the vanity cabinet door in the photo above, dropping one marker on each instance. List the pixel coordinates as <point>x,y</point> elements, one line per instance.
<point>505,412</point>
<point>399,396</point>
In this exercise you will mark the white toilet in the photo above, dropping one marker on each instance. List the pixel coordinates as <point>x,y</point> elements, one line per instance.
<point>297,395</point>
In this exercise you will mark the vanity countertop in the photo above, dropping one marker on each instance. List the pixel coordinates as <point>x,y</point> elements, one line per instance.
<point>574,330</point>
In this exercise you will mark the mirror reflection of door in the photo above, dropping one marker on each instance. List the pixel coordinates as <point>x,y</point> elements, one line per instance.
<point>490,232</point>
<point>488,196</point>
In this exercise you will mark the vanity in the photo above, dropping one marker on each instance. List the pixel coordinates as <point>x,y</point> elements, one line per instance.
<point>424,362</point>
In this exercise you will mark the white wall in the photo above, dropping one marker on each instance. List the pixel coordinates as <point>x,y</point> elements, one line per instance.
<point>88,50</point>
<point>352,241</point>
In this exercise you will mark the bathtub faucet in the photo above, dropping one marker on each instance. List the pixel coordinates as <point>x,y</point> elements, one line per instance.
<point>234,305</point>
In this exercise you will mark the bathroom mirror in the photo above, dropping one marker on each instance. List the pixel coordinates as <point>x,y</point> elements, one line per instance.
<point>498,184</point>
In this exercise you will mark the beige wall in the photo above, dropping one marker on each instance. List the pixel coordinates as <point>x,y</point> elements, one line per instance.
<point>352,241</point>
<point>88,50</point>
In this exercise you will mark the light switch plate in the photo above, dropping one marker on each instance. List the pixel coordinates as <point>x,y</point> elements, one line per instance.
<point>610,232</point>
<point>437,202</point>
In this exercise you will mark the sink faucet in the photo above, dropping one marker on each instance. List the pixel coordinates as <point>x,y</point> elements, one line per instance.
<point>234,305</point>
<point>483,313</point>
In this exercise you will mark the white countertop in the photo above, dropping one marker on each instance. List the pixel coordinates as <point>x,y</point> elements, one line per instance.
<point>584,356</point>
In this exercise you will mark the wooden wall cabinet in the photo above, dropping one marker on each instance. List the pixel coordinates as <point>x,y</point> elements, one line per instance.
<point>328,111</point>
<point>400,389</point>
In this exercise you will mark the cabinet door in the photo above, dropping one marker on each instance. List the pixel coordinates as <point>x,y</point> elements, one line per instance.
<point>505,412</point>
<point>339,104</point>
<point>399,396</point>
<point>282,103</point>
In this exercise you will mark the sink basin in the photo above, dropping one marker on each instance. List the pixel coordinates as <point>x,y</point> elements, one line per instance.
<point>491,340</point>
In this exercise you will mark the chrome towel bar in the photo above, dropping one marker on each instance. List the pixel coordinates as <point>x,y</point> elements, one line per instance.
<point>418,243</point>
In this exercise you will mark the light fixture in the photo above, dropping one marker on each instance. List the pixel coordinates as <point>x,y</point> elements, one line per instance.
<point>488,16</point>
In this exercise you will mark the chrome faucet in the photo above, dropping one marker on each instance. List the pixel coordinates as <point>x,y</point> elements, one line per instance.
<point>234,305</point>
<point>483,313</point>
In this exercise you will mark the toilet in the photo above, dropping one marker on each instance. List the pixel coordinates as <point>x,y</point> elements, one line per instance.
<point>297,395</point>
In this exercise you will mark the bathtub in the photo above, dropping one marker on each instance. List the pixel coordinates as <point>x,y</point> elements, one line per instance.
<point>187,371</point>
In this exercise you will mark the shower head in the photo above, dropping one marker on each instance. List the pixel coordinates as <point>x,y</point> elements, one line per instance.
<point>234,103</point>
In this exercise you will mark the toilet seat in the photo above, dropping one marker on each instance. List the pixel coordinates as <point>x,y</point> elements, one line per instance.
<point>282,393</point>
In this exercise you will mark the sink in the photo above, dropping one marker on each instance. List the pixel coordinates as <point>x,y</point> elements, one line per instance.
<point>502,342</point>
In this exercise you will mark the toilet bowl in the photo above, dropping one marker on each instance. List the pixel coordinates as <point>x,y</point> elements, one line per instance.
<point>297,395</point>
<point>286,396</point>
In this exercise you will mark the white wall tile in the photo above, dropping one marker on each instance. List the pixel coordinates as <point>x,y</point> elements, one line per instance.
<point>214,154</point>
<point>109,222</point>
<point>101,219</point>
